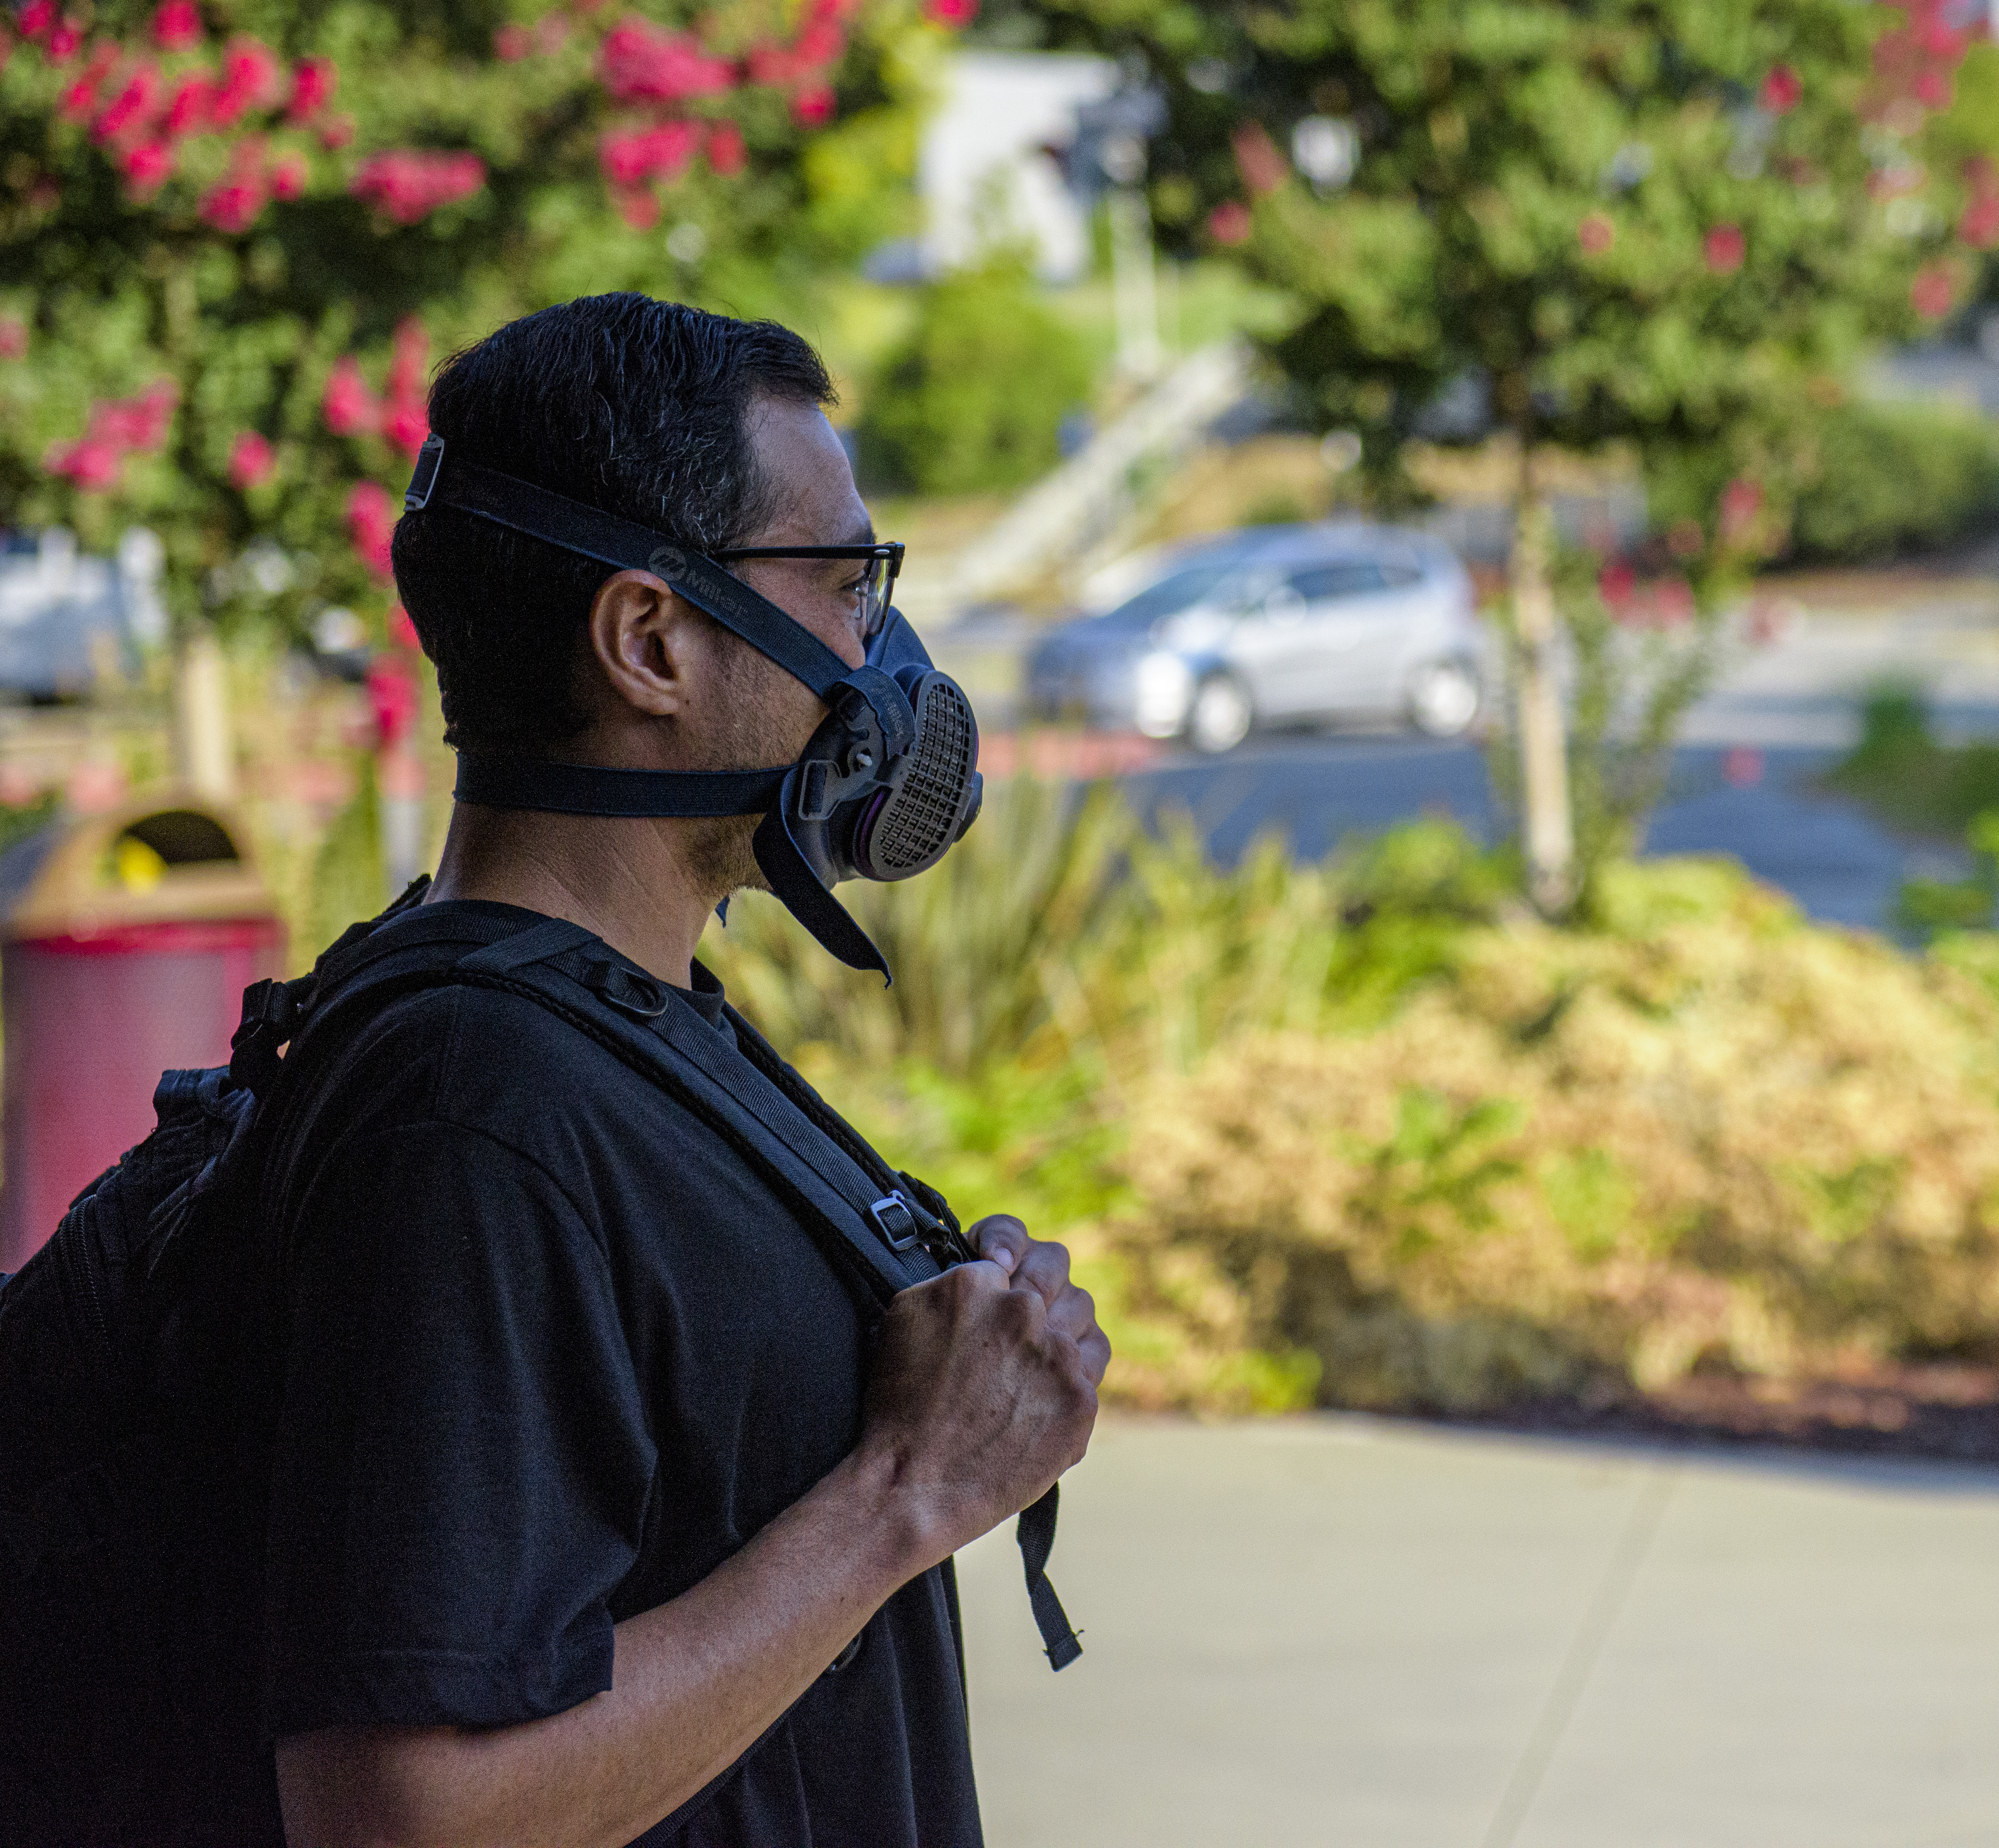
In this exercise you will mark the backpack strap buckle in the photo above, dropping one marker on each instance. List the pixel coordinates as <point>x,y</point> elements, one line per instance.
<point>896,1221</point>
<point>272,1012</point>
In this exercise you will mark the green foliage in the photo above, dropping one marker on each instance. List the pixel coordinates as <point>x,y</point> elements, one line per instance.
<point>1890,478</point>
<point>1365,1133</point>
<point>1536,192</point>
<point>975,397</point>
<point>1900,770</point>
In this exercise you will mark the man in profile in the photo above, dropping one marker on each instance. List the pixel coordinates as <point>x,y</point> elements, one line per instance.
<point>601,1510</point>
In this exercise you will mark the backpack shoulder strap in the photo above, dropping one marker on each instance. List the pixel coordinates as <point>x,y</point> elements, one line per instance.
<point>745,1093</point>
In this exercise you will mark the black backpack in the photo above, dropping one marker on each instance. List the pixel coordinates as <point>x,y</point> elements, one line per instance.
<point>137,1356</point>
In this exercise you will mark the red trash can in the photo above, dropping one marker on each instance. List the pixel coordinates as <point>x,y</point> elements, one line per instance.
<point>128,938</point>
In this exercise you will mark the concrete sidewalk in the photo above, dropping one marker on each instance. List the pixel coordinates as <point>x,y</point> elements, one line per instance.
<point>1336,1630</point>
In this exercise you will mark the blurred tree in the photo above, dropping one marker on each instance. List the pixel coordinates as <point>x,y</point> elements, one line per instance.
<point>975,397</point>
<point>235,234</point>
<point>1669,224</point>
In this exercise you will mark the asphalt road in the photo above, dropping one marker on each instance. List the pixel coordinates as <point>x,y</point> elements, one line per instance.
<point>1785,711</point>
<point>1333,1631</point>
<point>1840,863</point>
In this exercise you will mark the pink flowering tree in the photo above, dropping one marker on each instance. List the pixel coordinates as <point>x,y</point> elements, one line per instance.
<point>237,235</point>
<point>1669,226</point>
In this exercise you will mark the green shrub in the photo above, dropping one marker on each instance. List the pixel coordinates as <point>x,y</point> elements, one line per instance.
<point>1896,477</point>
<point>1364,1133</point>
<point>1900,770</point>
<point>974,398</point>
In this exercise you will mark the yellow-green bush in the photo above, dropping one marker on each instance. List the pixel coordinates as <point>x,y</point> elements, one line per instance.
<point>1365,1133</point>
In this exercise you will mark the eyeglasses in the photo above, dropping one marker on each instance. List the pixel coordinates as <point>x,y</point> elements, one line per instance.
<point>877,587</point>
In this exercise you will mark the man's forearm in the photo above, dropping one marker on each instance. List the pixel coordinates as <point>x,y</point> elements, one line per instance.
<point>694,1683</point>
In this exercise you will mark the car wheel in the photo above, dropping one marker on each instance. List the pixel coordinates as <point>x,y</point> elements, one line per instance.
<point>1444,697</point>
<point>1221,716</point>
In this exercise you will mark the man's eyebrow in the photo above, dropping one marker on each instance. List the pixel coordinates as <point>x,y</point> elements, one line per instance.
<point>862,535</point>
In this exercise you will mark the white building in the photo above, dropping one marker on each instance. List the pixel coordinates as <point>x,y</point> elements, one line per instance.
<point>985,173</point>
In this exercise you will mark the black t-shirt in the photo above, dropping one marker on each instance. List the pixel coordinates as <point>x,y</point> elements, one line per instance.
<point>555,1352</point>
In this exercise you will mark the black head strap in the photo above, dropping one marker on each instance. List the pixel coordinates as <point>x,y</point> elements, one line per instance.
<point>625,546</point>
<point>593,789</point>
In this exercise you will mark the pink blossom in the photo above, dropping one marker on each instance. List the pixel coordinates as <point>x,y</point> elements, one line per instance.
<point>392,698</point>
<point>1942,39</point>
<point>116,427</point>
<point>410,361</point>
<point>177,25</point>
<point>1742,767</point>
<point>65,42</point>
<point>1934,292</point>
<point>130,107</point>
<point>371,524</point>
<point>91,464</point>
<point>951,13</point>
<point>148,166</point>
<point>411,184</point>
<point>336,132</point>
<point>13,337</point>
<point>252,462</point>
<point>1980,225</point>
<point>1741,501</point>
<point>402,631</point>
<point>252,79</point>
<point>819,43</point>
<point>1783,90</point>
<point>1616,584</point>
<point>1263,169</point>
<point>773,65</point>
<point>1229,222</point>
<point>1596,234</point>
<point>641,62</point>
<point>639,207</point>
<point>313,83</point>
<point>81,98</point>
<point>36,18</point>
<point>237,202</point>
<point>289,174</point>
<point>1726,247</point>
<point>812,107</point>
<point>725,149</point>
<point>349,408</point>
<point>189,108</point>
<point>1934,89</point>
<point>137,423</point>
<point>408,420</point>
<point>636,154</point>
<point>511,44</point>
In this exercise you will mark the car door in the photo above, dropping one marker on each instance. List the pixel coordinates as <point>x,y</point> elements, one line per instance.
<point>1346,637</point>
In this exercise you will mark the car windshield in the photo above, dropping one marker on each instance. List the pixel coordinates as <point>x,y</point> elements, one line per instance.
<point>1173,593</point>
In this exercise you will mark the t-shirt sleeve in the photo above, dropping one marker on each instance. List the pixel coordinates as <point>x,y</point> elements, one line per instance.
<point>462,1462</point>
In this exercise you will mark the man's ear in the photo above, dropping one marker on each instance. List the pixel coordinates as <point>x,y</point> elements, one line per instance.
<point>641,636</point>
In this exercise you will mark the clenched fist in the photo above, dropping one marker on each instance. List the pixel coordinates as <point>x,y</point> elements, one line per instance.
<point>984,1386</point>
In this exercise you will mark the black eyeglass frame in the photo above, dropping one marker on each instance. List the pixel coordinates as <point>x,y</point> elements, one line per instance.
<point>887,552</point>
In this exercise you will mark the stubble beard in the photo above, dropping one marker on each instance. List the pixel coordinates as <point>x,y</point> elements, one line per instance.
<point>750,735</point>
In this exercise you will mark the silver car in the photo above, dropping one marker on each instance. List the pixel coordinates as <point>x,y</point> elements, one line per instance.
<point>1276,626</point>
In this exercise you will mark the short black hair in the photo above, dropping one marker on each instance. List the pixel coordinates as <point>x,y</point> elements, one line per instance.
<point>636,405</point>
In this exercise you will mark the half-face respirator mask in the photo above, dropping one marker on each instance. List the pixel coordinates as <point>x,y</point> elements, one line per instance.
<point>888,783</point>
